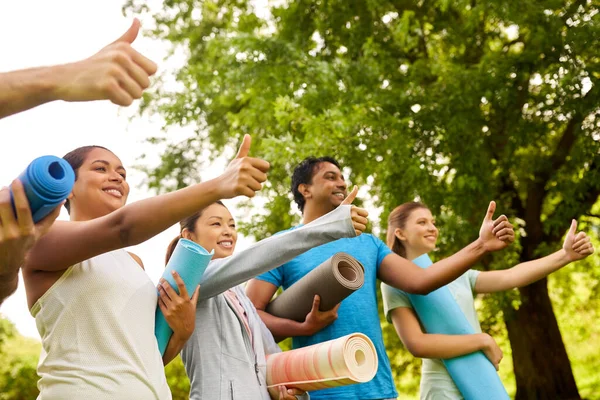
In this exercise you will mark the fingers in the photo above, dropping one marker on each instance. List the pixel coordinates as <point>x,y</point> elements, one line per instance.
<point>245,147</point>
<point>360,211</point>
<point>581,244</point>
<point>163,298</point>
<point>350,198</point>
<point>490,211</point>
<point>501,220</point>
<point>259,164</point>
<point>144,62</point>
<point>181,285</point>
<point>165,291</point>
<point>7,216</point>
<point>131,34</point>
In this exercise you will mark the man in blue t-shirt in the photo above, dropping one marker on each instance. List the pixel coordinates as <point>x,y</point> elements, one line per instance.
<point>319,187</point>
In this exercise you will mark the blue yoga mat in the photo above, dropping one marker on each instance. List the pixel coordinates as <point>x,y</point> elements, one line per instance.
<point>473,374</point>
<point>47,181</point>
<point>190,260</point>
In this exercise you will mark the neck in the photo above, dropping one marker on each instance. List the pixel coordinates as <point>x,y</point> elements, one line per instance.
<point>77,215</point>
<point>411,253</point>
<point>313,211</point>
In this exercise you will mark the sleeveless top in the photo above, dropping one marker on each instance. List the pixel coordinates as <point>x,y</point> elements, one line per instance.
<point>97,328</point>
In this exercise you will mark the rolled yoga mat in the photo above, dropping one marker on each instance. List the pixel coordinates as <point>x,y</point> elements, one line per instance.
<point>344,361</point>
<point>334,280</point>
<point>47,181</point>
<point>473,374</point>
<point>190,260</point>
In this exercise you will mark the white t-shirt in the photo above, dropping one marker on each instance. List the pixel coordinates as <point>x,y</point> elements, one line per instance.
<point>436,383</point>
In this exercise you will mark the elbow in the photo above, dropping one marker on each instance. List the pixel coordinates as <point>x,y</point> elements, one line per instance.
<point>416,348</point>
<point>419,286</point>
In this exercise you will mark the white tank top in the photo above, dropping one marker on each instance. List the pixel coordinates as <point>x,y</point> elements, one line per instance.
<point>97,329</point>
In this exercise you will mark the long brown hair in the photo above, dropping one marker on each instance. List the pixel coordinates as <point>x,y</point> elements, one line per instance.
<point>397,219</point>
<point>188,223</point>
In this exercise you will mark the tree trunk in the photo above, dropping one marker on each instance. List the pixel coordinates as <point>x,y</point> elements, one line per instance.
<point>541,364</point>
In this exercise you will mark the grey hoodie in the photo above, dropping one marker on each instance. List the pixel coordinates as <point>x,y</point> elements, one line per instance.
<point>220,359</point>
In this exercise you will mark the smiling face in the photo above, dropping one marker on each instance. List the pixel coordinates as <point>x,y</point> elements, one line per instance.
<point>419,234</point>
<point>101,186</point>
<point>215,229</point>
<point>327,188</point>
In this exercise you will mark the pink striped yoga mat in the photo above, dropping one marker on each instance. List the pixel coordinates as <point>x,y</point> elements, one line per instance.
<point>344,361</point>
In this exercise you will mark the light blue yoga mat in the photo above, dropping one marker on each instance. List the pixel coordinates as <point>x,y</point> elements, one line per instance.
<point>473,374</point>
<point>190,260</point>
<point>47,181</point>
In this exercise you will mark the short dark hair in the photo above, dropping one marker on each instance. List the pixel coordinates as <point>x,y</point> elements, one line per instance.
<point>303,174</point>
<point>75,158</point>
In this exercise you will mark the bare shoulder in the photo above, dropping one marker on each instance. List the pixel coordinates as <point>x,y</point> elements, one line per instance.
<point>137,259</point>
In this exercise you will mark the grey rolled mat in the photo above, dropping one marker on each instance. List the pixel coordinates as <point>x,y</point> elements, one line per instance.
<point>334,280</point>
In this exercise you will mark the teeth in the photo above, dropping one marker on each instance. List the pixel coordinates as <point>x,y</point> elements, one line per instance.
<point>113,191</point>
<point>340,195</point>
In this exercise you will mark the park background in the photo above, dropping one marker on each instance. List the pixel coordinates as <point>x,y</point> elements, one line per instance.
<point>454,103</point>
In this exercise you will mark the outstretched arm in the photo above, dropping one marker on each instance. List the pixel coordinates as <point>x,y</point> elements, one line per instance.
<point>402,274</point>
<point>131,224</point>
<point>425,345</point>
<point>575,247</point>
<point>267,254</point>
<point>117,73</point>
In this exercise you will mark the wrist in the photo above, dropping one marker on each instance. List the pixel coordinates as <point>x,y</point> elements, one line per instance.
<point>53,82</point>
<point>483,341</point>
<point>563,257</point>
<point>479,247</point>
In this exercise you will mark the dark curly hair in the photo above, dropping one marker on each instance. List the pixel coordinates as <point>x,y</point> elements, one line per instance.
<point>304,172</point>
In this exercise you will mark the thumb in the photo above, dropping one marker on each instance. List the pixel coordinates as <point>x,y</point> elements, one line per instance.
<point>316,302</point>
<point>490,211</point>
<point>245,147</point>
<point>196,295</point>
<point>131,33</point>
<point>573,228</point>
<point>350,198</point>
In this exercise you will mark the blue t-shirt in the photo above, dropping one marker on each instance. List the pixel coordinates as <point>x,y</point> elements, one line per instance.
<point>357,313</point>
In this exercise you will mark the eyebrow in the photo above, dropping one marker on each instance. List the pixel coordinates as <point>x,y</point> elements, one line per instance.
<point>214,216</point>
<point>107,163</point>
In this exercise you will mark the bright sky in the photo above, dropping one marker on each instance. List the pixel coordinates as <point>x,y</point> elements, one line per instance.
<point>37,33</point>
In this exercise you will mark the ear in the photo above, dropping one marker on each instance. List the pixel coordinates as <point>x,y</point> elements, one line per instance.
<point>399,234</point>
<point>304,189</point>
<point>70,196</point>
<point>187,234</point>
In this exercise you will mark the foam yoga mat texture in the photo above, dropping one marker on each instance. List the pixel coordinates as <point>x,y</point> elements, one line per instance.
<point>47,181</point>
<point>344,361</point>
<point>334,280</point>
<point>190,260</point>
<point>473,374</point>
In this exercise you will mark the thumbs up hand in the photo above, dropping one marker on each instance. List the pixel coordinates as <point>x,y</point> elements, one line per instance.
<point>359,215</point>
<point>495,234</point>
<point>117,73</point>
<point>577,245</point>
<point>244,175</point>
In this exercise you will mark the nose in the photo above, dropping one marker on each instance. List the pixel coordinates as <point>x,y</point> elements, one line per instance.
<point>116,177</point>
<point>342,184</point>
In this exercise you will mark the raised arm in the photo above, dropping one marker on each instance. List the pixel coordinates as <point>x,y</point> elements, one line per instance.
<point>402,274</point>
<point>575,247</point>
<point>425,345</point>
<point>68,243</point>
<point>18,234</point>
<point>222,274</point>
<point>117,73</point>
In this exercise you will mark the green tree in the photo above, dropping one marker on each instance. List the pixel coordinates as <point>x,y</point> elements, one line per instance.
<point>456,103</point>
